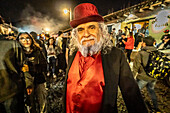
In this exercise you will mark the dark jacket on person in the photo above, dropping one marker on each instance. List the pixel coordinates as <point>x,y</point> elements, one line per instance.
<point>41,43</point>
<point>37,65</point>
<point>120,43</point>
<point>141,60</point>
<point>117,73</point>
<point>12,80</point>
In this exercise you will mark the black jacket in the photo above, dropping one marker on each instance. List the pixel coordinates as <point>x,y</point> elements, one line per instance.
<point>117,73</point>
<point>37,65</point>
<point>12,80</point>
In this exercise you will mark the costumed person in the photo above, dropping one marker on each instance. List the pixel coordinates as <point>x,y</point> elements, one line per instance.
<point>96,69</point>
<point>165,35</point>
<point>165,44</point>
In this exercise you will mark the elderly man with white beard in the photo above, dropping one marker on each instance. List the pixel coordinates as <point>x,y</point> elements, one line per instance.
<point>96,69</point>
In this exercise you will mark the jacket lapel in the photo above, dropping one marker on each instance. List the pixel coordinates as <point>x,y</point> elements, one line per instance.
<point>111,83</point>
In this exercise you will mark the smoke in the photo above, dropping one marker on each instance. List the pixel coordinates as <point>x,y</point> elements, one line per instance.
<point>32,20</point>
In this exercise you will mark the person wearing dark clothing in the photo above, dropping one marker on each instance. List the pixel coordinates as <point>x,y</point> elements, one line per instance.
<point>165,35</point>
<point>165,44</point>
<point>120,44</point>
<point>40,42</point>
<point>61,45</point>
<point>64,46</point>
<point>118,36</point>
<point>142,78</point>
<point>96,69</point>
<point>13,80</point>
<point>37,68</point>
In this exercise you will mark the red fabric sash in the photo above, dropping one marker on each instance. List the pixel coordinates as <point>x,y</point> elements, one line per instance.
<point>85,84</point>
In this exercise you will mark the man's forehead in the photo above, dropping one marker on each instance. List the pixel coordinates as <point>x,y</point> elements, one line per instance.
<point>87,24</point>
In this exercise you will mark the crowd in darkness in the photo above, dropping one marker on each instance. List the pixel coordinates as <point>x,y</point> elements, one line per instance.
<point>29,61</point>
<point>36,58</point>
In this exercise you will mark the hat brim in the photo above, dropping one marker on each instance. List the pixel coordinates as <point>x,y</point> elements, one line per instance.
<point>95,18</point>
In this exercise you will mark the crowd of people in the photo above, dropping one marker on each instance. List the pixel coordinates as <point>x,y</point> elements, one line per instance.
<point>95,67</point>
<point>32,60</point>
<point>131,39</point>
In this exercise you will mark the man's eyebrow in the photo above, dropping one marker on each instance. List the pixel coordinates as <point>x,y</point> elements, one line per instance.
<point>91,26</point>
<point>80,28</point>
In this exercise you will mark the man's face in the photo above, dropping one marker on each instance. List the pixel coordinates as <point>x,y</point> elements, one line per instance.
<point>86,31</point>
<point>166,33</point>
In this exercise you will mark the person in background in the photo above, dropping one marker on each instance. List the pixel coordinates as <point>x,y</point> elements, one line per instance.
<point>142,78</point>
<point>118,36</point>
<point>129,45</point>
<point>14,77</point>
<point>134,30</point>
<point>40,42</point>
<point>139,43</point>
<point>113,36</point>
<point>59,40</point>
<point>135,34</point>
<point>96,69</point>
<point>165,43</point>
<point>165,35</point>
<point>126,30</point>
<point>37,68</point>
<point>144,32</point>
<point>51,57</point>
<point>120,44</point>
<point>61,45</point>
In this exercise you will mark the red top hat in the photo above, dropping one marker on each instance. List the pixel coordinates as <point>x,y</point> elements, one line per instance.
<point>166,31</point>
<point>84,13</point>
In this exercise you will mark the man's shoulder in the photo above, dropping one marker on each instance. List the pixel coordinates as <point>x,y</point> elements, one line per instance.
<point>116,50</point>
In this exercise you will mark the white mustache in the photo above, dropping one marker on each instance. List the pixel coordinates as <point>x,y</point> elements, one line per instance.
<point>89,38</point>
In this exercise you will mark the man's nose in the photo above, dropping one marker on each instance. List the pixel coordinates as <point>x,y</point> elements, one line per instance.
<point>86,33</point>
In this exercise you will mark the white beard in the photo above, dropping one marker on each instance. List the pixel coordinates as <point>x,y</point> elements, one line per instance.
<point>90,50</point>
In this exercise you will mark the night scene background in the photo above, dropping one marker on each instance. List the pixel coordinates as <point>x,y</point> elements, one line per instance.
<point>37,14</point>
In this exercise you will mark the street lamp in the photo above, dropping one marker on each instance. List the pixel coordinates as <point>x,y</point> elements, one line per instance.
<point>68,11</point>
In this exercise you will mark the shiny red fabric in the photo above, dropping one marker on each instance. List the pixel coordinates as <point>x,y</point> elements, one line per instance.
<point>85,85</point>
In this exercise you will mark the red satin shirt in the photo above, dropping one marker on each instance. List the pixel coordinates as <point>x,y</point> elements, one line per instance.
<point>85,84</point>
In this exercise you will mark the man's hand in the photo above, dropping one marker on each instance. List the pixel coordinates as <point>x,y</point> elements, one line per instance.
<point>25,68</point>
<point>29,91</point>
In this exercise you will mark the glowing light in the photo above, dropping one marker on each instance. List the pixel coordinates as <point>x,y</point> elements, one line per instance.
<point>66,11</point>
<point>47,29</point>
<point>9,29</point>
